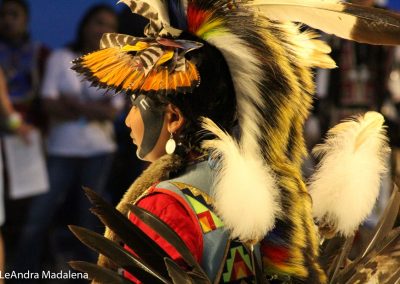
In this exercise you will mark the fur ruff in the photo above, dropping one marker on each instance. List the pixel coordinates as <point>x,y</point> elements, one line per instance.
<point>346,184</point>
<point>245,192</point>
<point>157,171</point>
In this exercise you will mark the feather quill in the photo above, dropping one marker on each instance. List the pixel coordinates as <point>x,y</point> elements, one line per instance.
<point>118,255</point>
<point>143,246</point>
<point>381,265</point>
<point>352,269</point>
<point>349,21</point>
<point>97,273</point>
<point>165,232</point>
<point>246,183</point>
<point>341,258</point>
<point>386,222</point>
<point>177,274</point>
<point>346,183</point>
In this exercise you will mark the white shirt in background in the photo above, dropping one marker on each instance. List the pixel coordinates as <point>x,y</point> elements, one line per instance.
<point>81,137</point>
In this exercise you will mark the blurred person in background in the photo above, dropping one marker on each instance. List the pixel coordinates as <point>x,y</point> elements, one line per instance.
<point>10,122</point>
<point>22,61</point>
<point>21,58</point>
<point>80,141</point>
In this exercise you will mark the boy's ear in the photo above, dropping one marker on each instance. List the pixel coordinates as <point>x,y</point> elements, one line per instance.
<point>175,119</point>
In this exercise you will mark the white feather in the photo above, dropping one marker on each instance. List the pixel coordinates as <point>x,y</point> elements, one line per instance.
<point>355,22</point>
<point>346,183</point>
<point>246,72</point>
<point>245,190</point>
<point>310,52</point>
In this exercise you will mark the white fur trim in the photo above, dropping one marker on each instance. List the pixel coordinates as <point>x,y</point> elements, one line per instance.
<point>245,190</point>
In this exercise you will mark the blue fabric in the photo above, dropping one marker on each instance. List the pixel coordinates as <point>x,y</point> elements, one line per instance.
<point>17,64</point>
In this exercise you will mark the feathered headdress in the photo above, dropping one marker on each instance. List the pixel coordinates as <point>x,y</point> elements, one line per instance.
<point>269,59</point>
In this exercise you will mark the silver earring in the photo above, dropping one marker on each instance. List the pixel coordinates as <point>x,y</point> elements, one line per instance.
<point>171,145</point>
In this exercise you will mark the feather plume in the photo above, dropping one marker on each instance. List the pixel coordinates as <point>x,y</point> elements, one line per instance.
<point>244,182</point>
<point>346,183</point>
<point>349,21</point>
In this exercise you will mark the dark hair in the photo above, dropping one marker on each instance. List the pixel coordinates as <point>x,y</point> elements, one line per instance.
<point>77,44</point>
<point>24,5</point>
<point>213,98</point>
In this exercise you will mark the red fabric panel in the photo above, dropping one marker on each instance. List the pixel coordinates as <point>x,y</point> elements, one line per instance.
<point>174,211</point>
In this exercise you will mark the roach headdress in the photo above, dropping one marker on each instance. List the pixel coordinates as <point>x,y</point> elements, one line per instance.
<point>259,187</point>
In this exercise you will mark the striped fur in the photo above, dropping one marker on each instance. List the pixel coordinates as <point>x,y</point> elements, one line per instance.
<point>273,86</point>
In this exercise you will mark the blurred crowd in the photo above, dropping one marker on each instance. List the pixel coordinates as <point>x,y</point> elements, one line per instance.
<point>82,138</point>
<point>85,143</point>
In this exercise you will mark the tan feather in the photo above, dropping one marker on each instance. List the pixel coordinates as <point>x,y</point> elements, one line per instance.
<point>349,21</point>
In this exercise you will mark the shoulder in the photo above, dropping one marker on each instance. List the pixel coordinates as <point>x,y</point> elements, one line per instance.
<point>162,197</point>
<point>159,202</point>
<point>178,216</point>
